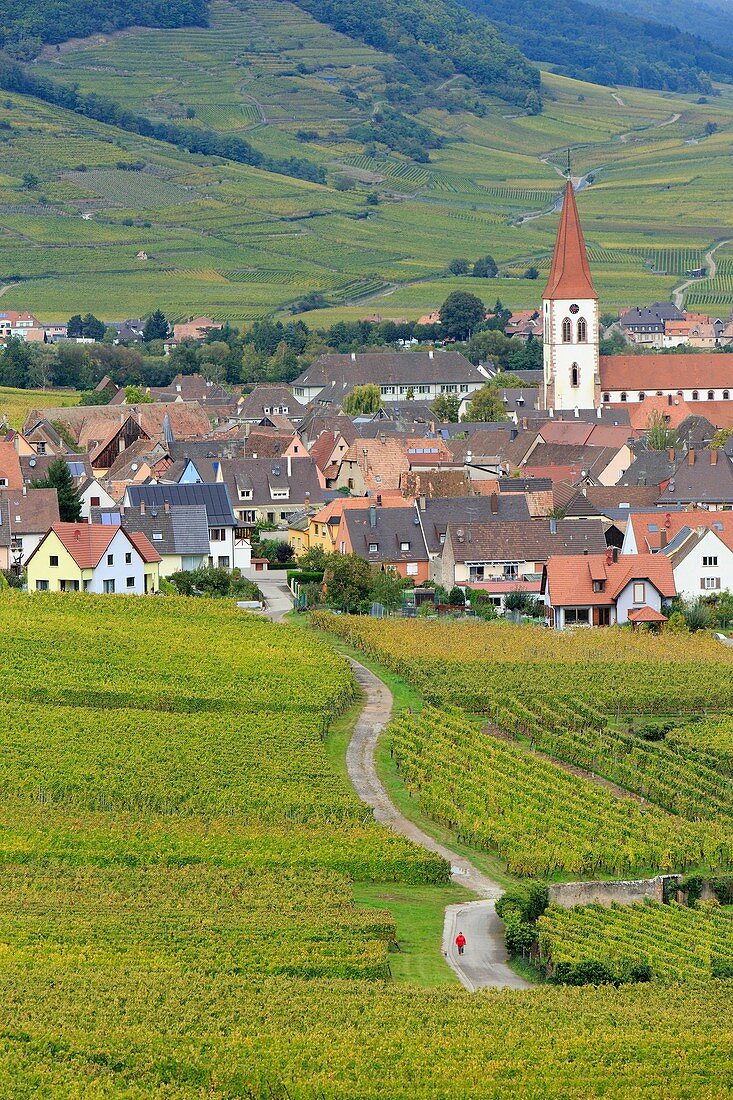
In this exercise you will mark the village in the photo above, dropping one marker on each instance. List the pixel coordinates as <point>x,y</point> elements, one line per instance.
<point>604,495</point>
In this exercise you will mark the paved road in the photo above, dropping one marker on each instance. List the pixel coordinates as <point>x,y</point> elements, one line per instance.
<point>278,597</point>
<point>485,960</point>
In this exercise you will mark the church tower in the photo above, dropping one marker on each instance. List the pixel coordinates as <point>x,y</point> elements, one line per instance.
<point>570,319</point>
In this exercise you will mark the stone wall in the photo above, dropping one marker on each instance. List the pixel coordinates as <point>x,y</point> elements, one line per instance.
<point>568,894</point>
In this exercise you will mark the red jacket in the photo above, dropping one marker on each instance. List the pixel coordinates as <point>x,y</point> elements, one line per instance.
<point>460,940</point>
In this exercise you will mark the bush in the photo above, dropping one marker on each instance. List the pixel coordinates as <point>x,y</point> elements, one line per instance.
<point>214,581</point>
<point>456,598</point>
<point>587,972</point>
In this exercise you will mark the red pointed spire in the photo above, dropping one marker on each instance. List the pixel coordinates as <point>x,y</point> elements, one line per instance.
<point>570,275</point>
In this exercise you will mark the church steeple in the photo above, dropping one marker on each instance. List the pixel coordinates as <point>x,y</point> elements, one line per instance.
<point>570,275</point>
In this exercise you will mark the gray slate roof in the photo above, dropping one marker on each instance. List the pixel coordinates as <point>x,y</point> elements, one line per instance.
<point>184,530</point>
<point>531,540</point>
<point>387,368</point>
<point>260,475</point>
<point>215,499</point>
<point>389,528</point>
<point>439,512</point>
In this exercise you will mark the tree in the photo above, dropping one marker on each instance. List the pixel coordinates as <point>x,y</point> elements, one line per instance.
<point>491,345</point>
<point>446,409</point>
<point>348,582</point>
<point>460,314</point>
<point>485,268</point>
<point>135,395</point>
<point>485,406</point>
<point>659,436</point>
<point>156,327</point>
<point>387,589</point>
<point>363,400</point>
<point>92,328</point>
<point>59,478</point>
<point>531,273</point>
<point>458,267</point>
<point>74,326</point>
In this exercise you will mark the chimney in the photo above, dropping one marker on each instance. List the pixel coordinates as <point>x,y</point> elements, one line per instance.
<point>551,413</point>
<point>379,500</point>
<point>25,487</point>
<point>494,501</point>
<point>691,457</point>
<point>553,525</point>
<point>576,412</point>
<point>614,554</point>
<point>670,454</point>
<point>524,422</point>
<point>662,538</point>
<point>422,502</point>
<point>166,506</point>
<point>290,466</point>
<point>372,516</point>
<point>599,412</point>
<point>713,458</point>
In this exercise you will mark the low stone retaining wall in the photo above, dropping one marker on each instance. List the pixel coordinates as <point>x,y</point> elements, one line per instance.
<point>629,892</point>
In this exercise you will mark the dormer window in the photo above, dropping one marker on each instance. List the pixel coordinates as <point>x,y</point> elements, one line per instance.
<point>373,547</point>
<point>245,494</point>
<point>599,586</point>
<point>404,547</point>
<point>711,395</point>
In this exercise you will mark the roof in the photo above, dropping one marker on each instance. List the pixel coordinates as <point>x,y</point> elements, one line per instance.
<point>10,466</point>
<point>265,396</point>
<point>390,368</point>
<point>145,549</point>
<point>463,511</point>
<point>92,423</point>
<point>584,459</point>
<point>28,512</point>
<point>215,499</point>
<point>182,530</point>
<point>389,529</point>
<point>527,540</point>
<point>702,477</point>
<point>655,314</point>
<point>88,542</point>
<point>570,275</point>
<point>678,371</point>
<point>645,615</point>
<point>652,529</point>
<point>570,579</point>
<point>262,475</point>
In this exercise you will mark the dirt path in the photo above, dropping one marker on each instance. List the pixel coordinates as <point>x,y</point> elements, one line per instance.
<point>678,294</point>
<point>485,962</point>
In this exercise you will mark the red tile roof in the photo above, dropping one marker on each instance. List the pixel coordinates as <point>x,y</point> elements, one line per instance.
<point>10,466</point>
<point>651,527</point>
<point>144,546</point>
<point>646,615</point>
<point>684,371</point>
<point>570,577</point>
<point>570,275</point>
<point>88,542</point>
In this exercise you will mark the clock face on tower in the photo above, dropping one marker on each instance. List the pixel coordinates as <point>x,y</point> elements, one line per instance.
<point>574,309</point>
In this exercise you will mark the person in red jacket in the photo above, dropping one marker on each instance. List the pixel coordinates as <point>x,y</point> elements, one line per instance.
<point>461,943</point>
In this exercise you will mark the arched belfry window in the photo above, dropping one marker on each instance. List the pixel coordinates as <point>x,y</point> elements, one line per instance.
<point>567,331</point>
<point>582,330</point>
<point>575,375</point>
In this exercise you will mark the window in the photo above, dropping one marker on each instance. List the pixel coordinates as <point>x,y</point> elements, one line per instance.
<point>411,568</point>
<point>216,534</point>
<point>223,561</point>
<point>404,546</point>
<point>442,538</point>
<point>642,395</point>
<point>40,448</point>
<point>511,571</point>
<point>606,397</point>
<point>639,592</point>
<point>3,482</point>
<point>130,582</point>
<point>41,586</point>
<point>110,559</point>
<point>598,586</point>
<point>94,502</point>
<point>582,331</point>
<point>475,573</point>
<point>567,331</point>
<point>574,375</point>
<point>373,547</point>
<point>576,615</point>
<point>604,616</point>
<point>157,536</point>
<point>53,561</point>
<point>710,582</point>
<point>245,494</point>
<point>109,586</point>
<point>726,395</point>
<point>711,395</point>
<point>695,395</point>
<point>623,396</point>
<point>279,494</point>
<point>710,559</point>
<point>128,558</point>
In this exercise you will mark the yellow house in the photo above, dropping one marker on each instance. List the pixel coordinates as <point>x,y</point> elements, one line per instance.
<point>94,557</point>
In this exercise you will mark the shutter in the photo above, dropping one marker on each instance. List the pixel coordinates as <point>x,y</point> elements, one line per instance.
<point>702,583</point>
<point>717,582</point>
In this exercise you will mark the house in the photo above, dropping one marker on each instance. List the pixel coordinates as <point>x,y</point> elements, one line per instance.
<point>693,377</point>
<point>701,557</point>
<point>180,535</point>
<point>93,494</point>
<point>596,465</point>
<point>35,467</point>
<point>94,425</point>
<point>486,553</point>
<point>646,324</point>
<point>195,328</point>
<point>389,537</point>
<point>701,478</point>
<point>325,527</point>
<point>268,491</point>
<point>229,545</point>
<point>92,557</point>
<point>11,476</point>
<point>524,324</point>
<point>400,375</point>
<point>25,516</point>
<point>436,514</point>
<point>607,589</point>
<point>21,326</point>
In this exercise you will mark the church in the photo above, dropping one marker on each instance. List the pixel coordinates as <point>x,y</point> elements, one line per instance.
<point>576,376</point>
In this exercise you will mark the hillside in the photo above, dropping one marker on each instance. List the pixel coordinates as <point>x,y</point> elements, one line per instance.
<point>600,44</point>
<point>710,19</point>
<point>79,198</point>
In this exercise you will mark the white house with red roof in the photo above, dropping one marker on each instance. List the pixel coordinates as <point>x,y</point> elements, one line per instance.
<point>698,544</point>
<point>94,557</point>
<point>607,589</point>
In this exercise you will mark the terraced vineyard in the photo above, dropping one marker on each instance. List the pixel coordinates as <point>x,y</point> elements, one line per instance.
<point>679,944</point>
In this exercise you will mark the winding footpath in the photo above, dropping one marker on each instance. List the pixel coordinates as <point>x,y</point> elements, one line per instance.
<point>485,962</point>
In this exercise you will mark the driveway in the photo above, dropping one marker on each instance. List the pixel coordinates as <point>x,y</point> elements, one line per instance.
<point>277,595</point>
